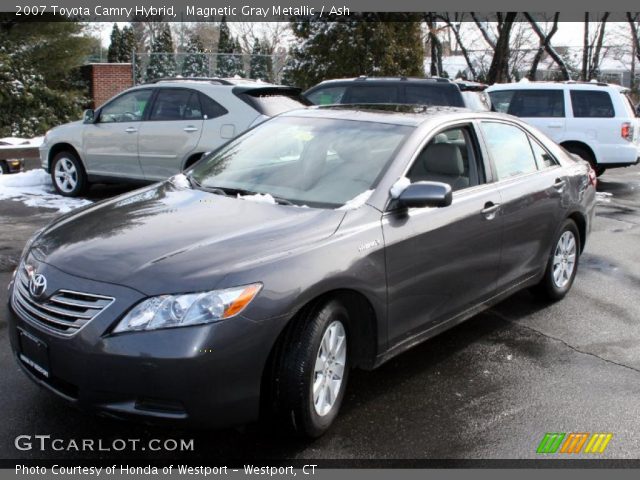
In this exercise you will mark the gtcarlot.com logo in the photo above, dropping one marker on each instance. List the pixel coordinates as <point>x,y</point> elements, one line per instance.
<point>574,443</point>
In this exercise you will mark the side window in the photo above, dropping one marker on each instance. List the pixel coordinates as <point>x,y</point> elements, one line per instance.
<point>591,104</point>
<point>450,157</point>
<point>129,107</point>
<point>171,104</point>
<point>211,108</point>
<point>193,111</point>
<point>327,96</point>
<point>372,94</point>
<point>537,103</point>
<point>509,148</point>
<point>543,158</point>
<point>500,100</point>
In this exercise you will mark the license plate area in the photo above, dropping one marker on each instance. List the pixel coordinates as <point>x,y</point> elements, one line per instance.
<point>33,353</point>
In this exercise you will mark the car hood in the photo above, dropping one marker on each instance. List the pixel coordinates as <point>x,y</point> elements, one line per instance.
<point>170,239</point>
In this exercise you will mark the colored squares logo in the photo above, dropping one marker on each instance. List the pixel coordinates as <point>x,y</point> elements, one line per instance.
<point>574,443</point>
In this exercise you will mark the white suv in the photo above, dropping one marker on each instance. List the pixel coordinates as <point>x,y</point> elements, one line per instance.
<point>596,121</point>
<point>153,131</point>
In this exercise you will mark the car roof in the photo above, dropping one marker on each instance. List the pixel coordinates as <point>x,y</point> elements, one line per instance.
<point>207,82</point>
<point>368,80</point>
<point>574,85</point>
<point>397,114</point>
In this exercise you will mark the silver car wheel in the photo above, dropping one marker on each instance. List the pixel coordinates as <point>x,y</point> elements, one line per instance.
<point>329,368</point>
<point>66,175</point>
<point>564,259</point>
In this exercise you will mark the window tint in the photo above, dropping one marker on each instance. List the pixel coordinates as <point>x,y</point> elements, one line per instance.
<point>129,107</point>
<point>172,104</point>
<point>327,96</point>
<point>543,158</point>
<point>371,94</point>
<point>193,111</point>
<point>529,103</point>
<point>438,95</point>
<point>449,158</point>
<point>509,148</point>
<point>211,108</point>
<point>591,104</point>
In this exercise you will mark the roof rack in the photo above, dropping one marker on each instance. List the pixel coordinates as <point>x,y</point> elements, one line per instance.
<point>219,81</point>
<point>399,77</point>
<point>582,82</point>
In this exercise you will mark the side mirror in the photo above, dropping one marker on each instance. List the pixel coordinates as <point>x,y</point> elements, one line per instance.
<point>88,116</point>
<point>425,194</point>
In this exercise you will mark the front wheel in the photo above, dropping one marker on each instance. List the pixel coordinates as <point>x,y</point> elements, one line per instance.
<point>562,265</point>
<point>68,174</point>
<point>312,371</point>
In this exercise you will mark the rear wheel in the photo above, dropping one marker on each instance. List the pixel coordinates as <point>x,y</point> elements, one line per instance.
<point>585,154</point>
<point>68,174</point>
<point>312,370</point>
<point>562,265</point>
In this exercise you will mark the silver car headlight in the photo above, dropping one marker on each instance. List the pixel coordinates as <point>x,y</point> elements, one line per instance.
<point>167,311</point>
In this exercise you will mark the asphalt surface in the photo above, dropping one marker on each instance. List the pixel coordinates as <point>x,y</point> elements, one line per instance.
<point>489,388</point>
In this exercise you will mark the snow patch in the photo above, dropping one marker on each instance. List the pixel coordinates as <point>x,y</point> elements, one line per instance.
<point>357,201</point>
<point>180,181</point>
<point>34,189</point>
<point>603,197</point>
<point>21,142</point>
<point>259,198</point>
<point>399,187</point>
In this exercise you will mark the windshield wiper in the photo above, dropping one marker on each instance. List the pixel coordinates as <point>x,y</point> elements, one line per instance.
<point>226,191</point>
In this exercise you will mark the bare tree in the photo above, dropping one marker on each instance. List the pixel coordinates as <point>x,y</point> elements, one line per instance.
<point>272,35</point>
<point>545,46</point>
<point>454,25</point>
<point>634,20</point>
<point>499,68</point>
<point>592,47</point>
<point>435,44</point>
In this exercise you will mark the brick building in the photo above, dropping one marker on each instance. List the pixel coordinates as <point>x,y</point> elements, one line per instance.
<point>106,80</point>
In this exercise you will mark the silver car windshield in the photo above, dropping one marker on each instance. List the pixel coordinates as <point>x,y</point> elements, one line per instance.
<point>317,162</point>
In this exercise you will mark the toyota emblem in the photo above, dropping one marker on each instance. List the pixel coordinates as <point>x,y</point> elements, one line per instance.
<point>37,285</point>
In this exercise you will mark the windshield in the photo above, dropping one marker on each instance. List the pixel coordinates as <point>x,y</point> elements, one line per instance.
<point>317,162</point>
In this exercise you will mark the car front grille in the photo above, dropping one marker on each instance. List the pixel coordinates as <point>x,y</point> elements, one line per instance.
<point>65,312</point>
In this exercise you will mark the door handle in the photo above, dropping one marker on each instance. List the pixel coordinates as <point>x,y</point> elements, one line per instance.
<point>559,184</point>
<point>554,125</point>
<point>131,130</point>
<point>190,129</point>
<point>490,209</point>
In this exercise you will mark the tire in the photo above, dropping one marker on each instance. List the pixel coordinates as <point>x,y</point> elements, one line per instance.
<point>302,409</point>
<point>4,168</point>
<point>562,265</point>
<point>68,174</point>
<point>588,156</point>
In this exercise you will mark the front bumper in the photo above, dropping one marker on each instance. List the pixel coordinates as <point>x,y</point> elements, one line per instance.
<point>205,376</point>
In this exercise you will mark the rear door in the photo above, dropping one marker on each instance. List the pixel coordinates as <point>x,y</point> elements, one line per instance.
<point>543,108</point>
<point>532,186</point>
<point>442,261</point>
<point>171,133</point>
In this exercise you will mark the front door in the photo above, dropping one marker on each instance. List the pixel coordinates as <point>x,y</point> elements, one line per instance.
<point>443,261</point>
<point>111,143</point>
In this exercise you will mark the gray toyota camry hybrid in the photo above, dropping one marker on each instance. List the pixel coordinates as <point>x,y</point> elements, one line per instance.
<point>323,240</point>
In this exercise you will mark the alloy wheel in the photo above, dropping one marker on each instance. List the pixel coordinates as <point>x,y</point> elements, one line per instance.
<point>66,175</point>
<point>329,368</point>
<point>564,259</point>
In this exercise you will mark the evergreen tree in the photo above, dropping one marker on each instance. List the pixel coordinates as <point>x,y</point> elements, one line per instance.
<point>260,67</point>
<point>229,57</point>
<point>366,44</point>
<point>127,44</point>
<point>38,75</point>
<point>113,54</point>
<point>196,63</point>
<point>162,62</point>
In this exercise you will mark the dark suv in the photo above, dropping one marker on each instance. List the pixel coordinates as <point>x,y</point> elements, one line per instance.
<point>375,90</point>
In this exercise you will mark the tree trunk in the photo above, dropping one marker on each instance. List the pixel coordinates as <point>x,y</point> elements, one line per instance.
<point>586,54</point>
<point>594,71</point>
<point>545,45</point>
<point>435,44</point>
<point>499,69</point>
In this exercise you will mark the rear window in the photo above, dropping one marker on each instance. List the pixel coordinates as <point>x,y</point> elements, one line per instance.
<point>272,101</point>
<point>438,95</point>
<point>529,103</point>
<point>590,104</point>
<point>326,96</point>
<point>371,94</point>
<point>635,109</point>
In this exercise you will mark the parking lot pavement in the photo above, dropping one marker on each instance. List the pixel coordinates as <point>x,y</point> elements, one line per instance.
<point>489,388</point>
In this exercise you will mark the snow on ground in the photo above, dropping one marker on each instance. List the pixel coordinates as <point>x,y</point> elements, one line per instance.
<point>603,197</point>
<point>20,142</point>
<point>34,189</point>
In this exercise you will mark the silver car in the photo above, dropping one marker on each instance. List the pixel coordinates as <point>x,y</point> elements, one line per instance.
<point>153,131</point>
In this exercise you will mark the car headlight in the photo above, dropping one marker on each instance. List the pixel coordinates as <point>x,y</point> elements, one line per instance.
<point>167,311</point>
